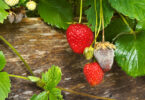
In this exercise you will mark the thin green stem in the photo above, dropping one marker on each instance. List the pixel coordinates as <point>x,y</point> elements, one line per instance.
<point>81,11</point>
<point>17,76</point>
<point>42,84</point>
<point>92,42</point>
<point>99,24</point>
<point>102,17</point>
<point>125,21</point>
<point>16,52</point>
<point>96,21</point>
<point>67,90</point>
<point>74,23</point>
<point>84,94</point>
<point>98,29</point>
<point>118,35</point>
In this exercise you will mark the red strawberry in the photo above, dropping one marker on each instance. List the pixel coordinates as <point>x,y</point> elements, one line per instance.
<point>93,73</point>
<point>79,37</point>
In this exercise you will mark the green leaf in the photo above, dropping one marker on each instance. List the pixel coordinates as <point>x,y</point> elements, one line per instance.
<point>131,8</point>
<point>3,13</point>
<point>22,2</point>
<point>2,60</point>
<point>52,97</point>
<point>41,96</point>
<point>130,54</point>
<point>116,27</point>
<point>5,85</point>
<point>33,97</point>
<point>55,12</point>
<point>3,5</point>
<point>55,94</point>
<point>33,78</point>
<point>91,15</point>
<point>140,25</point>
<point>52,77</point>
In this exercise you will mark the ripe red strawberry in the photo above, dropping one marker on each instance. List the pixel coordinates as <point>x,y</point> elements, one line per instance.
<point>79,37</point>
<point>93,73</point>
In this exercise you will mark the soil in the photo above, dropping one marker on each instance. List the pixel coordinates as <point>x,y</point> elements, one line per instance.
<point>42,46</point>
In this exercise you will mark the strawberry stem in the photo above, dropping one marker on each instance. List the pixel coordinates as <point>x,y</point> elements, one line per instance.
<point>17,76</point>
<point>99,23</point>
<point>75,23</point>
<point>81,10</point>
<point>102,18</point>
<point>17,53</point>
<point>96,21</point>
<point>67,90</point>
<point>84,94</point>
<point>125,21</point>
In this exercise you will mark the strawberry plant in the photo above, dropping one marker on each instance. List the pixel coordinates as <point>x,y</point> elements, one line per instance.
<point>48,82</point>
<point>121,22</point>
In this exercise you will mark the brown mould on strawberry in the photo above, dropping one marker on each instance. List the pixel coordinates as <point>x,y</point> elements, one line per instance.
<point>16,15</point>
<point>104,54</point>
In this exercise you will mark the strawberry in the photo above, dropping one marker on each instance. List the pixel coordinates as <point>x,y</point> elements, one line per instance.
<point>93,73</point>
<point>104,54</point>
<point>79,37</point>
<point>89,52</point>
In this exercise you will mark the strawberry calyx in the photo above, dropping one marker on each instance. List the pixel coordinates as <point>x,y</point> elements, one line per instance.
<point>104,45</point>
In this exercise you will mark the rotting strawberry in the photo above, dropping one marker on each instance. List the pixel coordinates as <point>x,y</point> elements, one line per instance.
<point>79,37</point>
<point>93,73</point>
<point>104,54</point>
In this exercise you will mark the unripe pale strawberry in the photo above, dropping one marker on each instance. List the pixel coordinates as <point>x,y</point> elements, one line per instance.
<point>89,52</point>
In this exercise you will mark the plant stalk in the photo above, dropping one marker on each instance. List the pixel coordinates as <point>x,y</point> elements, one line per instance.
<point>125,21</point>
<point>102,18</point>
<point>17,76</point>
<point>100,23</point>
<point>84,94</point>
<point>16,52</point>
<point>96,26</point>
<point>67,90</point>
<point>75,23</point>
<point>81,11</point>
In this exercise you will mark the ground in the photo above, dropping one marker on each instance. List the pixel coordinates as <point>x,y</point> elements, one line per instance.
<point>42,46</point>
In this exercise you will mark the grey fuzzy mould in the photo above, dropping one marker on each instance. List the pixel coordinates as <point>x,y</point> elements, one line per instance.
<point>105,58</point>
<point>11,18</point>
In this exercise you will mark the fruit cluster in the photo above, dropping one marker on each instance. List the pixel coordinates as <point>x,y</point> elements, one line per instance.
<point>81,40</point>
